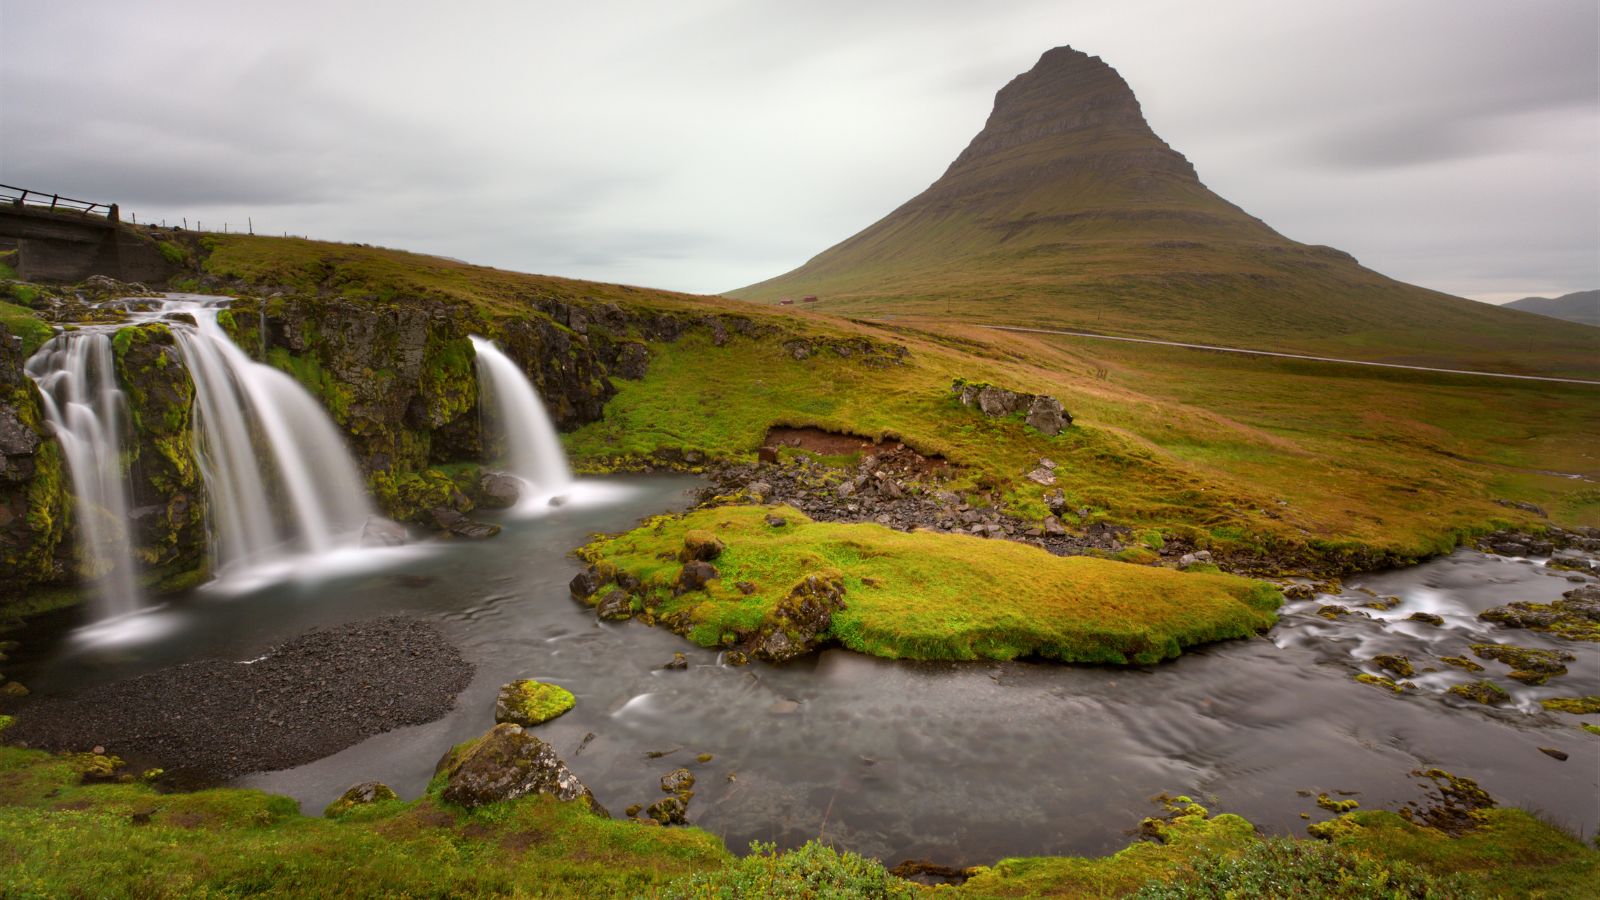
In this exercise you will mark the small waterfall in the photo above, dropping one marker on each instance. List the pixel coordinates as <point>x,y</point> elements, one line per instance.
<point>278,476</point>
<point>88,414</point>
<point>533,451</point>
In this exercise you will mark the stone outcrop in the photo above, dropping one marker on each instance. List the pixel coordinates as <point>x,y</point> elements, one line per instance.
<point>1043,412</point>
<point>33,500</point>
<point>364,794</point>
<point>507,763</point>
<point>168,494</point>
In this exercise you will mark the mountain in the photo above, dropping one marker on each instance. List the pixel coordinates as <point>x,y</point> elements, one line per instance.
<point>1581,306</point>
<point>1068,211</point>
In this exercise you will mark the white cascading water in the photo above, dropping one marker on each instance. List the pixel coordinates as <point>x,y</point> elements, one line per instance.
<point>87,414</point>
<point>533,451</point>
<point>279,479</point>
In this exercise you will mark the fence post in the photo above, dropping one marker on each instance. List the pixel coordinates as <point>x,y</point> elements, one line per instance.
<point>115,215</point>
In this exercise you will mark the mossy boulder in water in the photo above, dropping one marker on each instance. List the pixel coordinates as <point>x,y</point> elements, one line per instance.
<point>1576,616</point>
<point>1528,665</point>
<point>1486,692</point>
<point>1578,706</point>
<point>530,702</point>
<point>363,794</point>
<point>507,763</point>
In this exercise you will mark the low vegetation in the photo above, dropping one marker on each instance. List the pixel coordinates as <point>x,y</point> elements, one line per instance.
<point>925,595</point>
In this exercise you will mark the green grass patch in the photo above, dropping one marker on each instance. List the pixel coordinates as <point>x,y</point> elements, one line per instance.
<point>937,596</point>
<point>26,324</point>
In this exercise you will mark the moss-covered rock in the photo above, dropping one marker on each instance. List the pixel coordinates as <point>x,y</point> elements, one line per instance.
<point>33,497</point>
<point>1578,706</point>
<point>530,702</point>
<point>1528,665</point>
<point>363,794</point>
<point>168,492</point>
<point>1486,692</point>
<point>1395,664</point>
<point>507,763</point>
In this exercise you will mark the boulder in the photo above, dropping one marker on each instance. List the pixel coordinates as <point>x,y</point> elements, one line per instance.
<point>360,795</point>
<point>1046,414</point>
<point>528,702</point>
<point>381,532</point>
<point>1053,527</point>
<point>1043,476</point>
<point>677,781</point>
<point>669,811</point>
<point>615,605</point>
<point>801,619</point>
<point>454,523</point>
<point>759,491</point>
<point>699,544</point>
<point>507,763</point>
<point>498,490</point>
<point>997,401</point>
<point>584,584</point>
<point>633,361</point>
<point>696,575</point>
<point>678,663</point>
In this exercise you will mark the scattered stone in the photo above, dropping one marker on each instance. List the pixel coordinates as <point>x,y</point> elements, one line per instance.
<point>1529,666</point>
<point>678,662</point>
<point>498,490</point>
<point>696,575</point>
<point>776,521</point>
<point>670,810</point>
<point>745,587</point>
<point>736,658</point>
<point>1553,753</point>
<point>1578,706</point>
<point>1046,414</point>
<point>767,455</point>
<point>528,702</point>
<point>759,491</point>
<point>1461,662</point>
<point>1425,618</point>
<point>1485,692</point>
<point>704,758</point>
<point>800,619</point>
<point>677,781</point>
<point>507,763</point>
<point>1395,664</point>
<point>381,532</point>
<point>634,810</point>
<point>1042,476</point>
<point>701,545</point>
<point>1333,611</point>
<point>1386,683</point>
<point>361,795</point>
<point>1298,591</point>
<point>1455,804</point>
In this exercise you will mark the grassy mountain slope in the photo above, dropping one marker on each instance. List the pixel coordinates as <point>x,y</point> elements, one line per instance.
<point>1066,210</point>
<point>1582,307</point>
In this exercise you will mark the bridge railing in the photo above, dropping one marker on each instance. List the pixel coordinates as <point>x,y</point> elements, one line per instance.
<point>23,197</point>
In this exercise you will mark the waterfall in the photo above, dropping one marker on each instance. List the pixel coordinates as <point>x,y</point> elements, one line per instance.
<point>88,414</point>
<point>533,451</point>
<point>279,479</point>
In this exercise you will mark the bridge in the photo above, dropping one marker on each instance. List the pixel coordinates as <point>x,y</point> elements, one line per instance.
<point>62,239</point>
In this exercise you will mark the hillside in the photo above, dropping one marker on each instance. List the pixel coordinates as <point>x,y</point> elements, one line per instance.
<point>1067,210</point>
<point>1582,307</point>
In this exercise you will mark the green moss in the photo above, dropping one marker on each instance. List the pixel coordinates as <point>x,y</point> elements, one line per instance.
<point>1485,692</point>
<point>1578,706</point>
<point>26,324</point>
<point>917,595</point>
<point>1385,683</point>
<point>335,396</point>
<point>408,497</point>
<point>530,702</point>
<point>811,870</point>
<point>173,253</point>
<point>1338,807</point>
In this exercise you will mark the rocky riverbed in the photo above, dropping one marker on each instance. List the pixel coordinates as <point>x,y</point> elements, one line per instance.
<point>214,719</point>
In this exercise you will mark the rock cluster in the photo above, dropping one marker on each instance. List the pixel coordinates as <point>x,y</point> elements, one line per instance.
<point>1576,615</point>
<point>1042,412</point>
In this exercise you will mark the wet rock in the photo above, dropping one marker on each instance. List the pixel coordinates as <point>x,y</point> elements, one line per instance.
<point>458,525</point>
<point>498,490</point>
<point>1461,662</point>
<point>528,702</point>
<point>679,662</point>
<point>361,795</point>
<point>1298,592</point>
<point>381,532</point>
<point>507,763</point>
<point>696,575</point>
<point>1333,611</point>
<point>615,605</point>
<point>584,584</point>
<point>1425,618</point>
<point>1553,753</point>
<point>1485,692</point>
<point>1528,665</point>
<point>701,545</point>
<point>677,781</point>
<point>1395,665</point>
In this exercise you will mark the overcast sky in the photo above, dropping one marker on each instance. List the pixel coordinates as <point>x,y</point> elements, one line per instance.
<point>705,144</point>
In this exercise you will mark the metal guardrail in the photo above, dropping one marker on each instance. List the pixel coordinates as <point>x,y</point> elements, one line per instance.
<point>24,197</point>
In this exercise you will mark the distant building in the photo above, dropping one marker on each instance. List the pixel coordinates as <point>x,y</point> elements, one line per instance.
<point>809,298</point>
<point>786,302</point>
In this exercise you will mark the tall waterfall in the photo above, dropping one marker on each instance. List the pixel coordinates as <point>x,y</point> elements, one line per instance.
<point>533,451</point>
<point>88,415</point>
<point>278,476</point>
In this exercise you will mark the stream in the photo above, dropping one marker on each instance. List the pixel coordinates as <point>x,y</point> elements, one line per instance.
<point>960,763</point>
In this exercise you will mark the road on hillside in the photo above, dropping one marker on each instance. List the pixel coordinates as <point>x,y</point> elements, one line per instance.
<point>1326,359</point>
